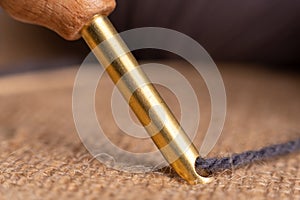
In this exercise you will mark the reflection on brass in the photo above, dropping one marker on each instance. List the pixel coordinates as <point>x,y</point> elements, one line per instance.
<point>143,98</point>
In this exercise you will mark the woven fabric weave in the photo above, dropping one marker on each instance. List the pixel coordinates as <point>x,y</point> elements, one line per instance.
<point>42,157</point>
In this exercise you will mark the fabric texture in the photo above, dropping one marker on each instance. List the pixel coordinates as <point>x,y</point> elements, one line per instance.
<point>42,157</point>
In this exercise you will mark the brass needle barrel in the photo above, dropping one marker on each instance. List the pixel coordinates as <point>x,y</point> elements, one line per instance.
<point>143,98</point>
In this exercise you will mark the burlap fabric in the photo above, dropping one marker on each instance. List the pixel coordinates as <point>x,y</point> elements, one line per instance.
<point>42,157</point>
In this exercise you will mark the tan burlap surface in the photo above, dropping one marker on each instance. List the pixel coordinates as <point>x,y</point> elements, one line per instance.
<point>42,157</point>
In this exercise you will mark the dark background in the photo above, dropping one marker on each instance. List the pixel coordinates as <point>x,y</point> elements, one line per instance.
<point>256,31</point>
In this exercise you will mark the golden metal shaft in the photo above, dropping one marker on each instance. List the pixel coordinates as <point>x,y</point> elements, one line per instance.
<point>143,98</point>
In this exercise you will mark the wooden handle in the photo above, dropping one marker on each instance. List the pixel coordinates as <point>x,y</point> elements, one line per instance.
<point>66,17</point>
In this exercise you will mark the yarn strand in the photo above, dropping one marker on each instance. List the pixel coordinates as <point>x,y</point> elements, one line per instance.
<point>212,165</point>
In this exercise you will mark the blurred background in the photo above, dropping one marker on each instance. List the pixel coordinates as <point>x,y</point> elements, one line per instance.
<point>256,31</point>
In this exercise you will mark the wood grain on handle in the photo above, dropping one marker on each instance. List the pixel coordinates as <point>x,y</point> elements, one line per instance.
<point>66,17</point>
